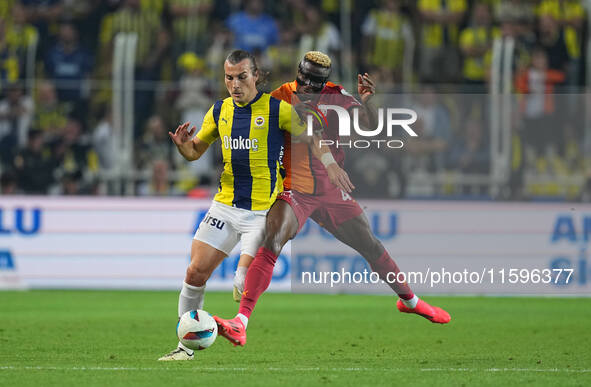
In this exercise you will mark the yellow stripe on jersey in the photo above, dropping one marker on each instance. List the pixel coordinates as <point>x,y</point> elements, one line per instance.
<point>475,67</point>
<point>433,34</point>
<point>251,140</point>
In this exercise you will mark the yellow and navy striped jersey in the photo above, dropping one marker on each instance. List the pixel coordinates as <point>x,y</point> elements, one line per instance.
<point>252,140</point>
<point>437,34</point>
<point>565,11</point>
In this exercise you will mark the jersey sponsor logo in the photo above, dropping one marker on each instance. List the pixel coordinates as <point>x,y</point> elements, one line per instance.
<point>259,121</point>
<point>241,143</point>
<point>214,222</point>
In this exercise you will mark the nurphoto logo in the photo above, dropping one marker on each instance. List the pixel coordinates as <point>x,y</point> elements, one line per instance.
<point>389,119</point>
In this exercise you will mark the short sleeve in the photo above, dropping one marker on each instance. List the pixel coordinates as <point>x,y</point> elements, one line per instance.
<point>344,99</point>
<point>289,119</point>
<point>209,129</point>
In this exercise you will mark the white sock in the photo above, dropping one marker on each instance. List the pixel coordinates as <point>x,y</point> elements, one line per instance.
<point>412,303</point>
<point>243,318</point>
<point>239,277</point>
<point>188,350</point>
<point>191,298</point>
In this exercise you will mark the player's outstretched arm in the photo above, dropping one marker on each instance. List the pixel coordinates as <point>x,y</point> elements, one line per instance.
<point>337,175</point>
<point>366,88</point>
<point>190,148</point>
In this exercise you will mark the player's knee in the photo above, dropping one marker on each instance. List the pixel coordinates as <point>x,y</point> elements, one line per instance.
<point>368,245</point>
<point>276,236</point>
<point>273,226</point>
<point>197,275</point>
<point>273,242</point>
<point>373,249</point>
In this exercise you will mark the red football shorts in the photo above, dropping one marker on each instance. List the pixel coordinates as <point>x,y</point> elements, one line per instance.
<point>329,210</point>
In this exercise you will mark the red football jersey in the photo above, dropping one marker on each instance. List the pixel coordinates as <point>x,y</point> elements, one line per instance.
<point>305,173</point>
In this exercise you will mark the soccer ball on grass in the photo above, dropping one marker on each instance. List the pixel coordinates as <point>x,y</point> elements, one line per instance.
<point>197,329</point>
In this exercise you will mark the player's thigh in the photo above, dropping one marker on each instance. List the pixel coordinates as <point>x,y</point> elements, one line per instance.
<point>215,238</point>
<point>204,258</point>
<point>252,231</point>
<point>217,228</point>
<point>281,225</point>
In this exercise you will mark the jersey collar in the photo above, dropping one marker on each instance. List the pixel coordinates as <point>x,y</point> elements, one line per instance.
<point>256,98</point>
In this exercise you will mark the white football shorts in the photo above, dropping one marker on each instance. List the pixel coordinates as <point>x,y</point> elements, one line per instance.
<point>224,226</point>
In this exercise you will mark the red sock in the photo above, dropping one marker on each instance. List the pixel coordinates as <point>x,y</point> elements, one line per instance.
<point>258,278</point>
<point>385,265</point>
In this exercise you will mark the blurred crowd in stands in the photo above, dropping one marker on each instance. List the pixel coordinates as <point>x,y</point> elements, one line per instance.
<point>56,127</point>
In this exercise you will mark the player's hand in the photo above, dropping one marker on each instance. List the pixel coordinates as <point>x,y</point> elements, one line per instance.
<point>365,87</point>
<point>339,177</point>
<point>182,135</point>
<point>305,109</point>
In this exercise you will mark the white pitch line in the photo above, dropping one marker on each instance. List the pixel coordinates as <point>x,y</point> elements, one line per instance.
<point>582,371</point>
<point>298,369</point>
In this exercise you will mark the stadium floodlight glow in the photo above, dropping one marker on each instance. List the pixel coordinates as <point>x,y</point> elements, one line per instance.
<point>392,120</point>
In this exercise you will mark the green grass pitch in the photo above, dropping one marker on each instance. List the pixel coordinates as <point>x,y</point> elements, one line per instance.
<point>113,338</point>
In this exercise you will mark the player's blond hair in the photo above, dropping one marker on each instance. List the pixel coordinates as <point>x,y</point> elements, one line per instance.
<point>318,58</point>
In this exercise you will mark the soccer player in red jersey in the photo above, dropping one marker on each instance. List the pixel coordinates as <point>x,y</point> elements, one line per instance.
<point>309,193</point>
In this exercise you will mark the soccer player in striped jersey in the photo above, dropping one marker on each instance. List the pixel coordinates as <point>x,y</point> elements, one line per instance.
<point>310,194</point>
<point>250,126</point>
